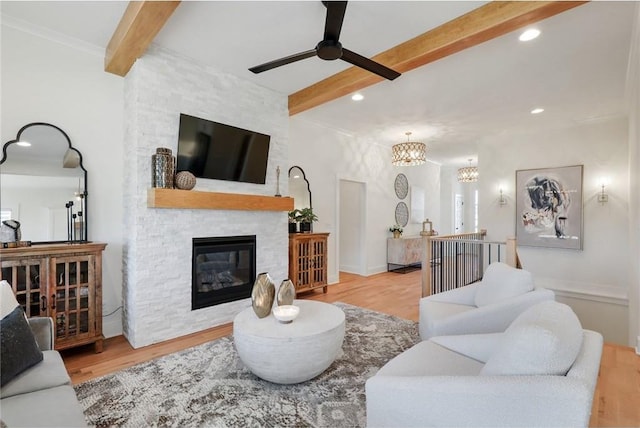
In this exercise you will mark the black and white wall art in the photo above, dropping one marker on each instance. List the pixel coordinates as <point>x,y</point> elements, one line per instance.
<point>549,207</point>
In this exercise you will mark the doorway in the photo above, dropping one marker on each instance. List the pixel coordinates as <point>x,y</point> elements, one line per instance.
<point>458,214</point>
<point>352,254</point>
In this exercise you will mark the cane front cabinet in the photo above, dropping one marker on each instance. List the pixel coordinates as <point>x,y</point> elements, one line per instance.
<point>308,261</point>
<point>61,281</point>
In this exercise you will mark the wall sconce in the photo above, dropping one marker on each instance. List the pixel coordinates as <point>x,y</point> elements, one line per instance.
<point>502,201</point>
<point>603,196</point>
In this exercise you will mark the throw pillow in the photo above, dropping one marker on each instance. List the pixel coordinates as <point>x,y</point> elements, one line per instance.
<point>543,340</point>
<point>8,300</point>
<point>501,281</point>
<point>18,347</point>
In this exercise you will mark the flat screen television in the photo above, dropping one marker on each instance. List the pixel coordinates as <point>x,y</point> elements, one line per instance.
<point>214,150</point>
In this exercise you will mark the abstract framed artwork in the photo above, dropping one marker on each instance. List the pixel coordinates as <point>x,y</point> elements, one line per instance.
<point>549,207</point>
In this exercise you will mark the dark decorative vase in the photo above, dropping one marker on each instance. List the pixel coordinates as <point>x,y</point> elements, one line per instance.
<point>262,295</point>
<point>286,293</point>
<point>293,227</point>
<point>306,227</point>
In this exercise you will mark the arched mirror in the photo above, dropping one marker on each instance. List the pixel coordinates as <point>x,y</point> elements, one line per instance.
<point>299,188</point>
<point>44,185</point>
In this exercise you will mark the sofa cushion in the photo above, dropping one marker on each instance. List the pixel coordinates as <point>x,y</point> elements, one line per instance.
<point>50,373</point>
<point>53,407</point>
<point>8,300</point>
<point>18,347</point>
<point>430,359</point>
<point>543,340</point>
<point>501,281</point>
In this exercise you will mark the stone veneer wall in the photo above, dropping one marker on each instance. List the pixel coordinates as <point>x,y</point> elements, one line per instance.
<point>157,251</point>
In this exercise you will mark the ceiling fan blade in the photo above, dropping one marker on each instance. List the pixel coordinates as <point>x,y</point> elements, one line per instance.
<point>283,61</point>
<point>335,16</point>
<point>368,64</point>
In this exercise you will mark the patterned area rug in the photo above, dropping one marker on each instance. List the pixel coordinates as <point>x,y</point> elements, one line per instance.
<point>209,386</point>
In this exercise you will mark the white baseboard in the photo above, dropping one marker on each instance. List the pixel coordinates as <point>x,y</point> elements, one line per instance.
<point>350,269</point>
<point>376,269</point>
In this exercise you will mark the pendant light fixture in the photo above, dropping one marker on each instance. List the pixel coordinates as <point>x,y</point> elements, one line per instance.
<point>468,174</point>
<point>409,153</point>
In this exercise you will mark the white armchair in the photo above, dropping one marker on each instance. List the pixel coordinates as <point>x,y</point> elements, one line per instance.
<point>542,371</point>
<point>488,306</point>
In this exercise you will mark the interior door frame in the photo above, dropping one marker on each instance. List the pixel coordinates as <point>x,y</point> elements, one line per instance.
<point>362,265</point>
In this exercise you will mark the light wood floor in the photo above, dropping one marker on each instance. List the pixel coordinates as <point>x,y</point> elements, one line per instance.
<point>616,402</point>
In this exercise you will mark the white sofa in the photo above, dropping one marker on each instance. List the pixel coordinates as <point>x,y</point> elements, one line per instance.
<point>487,306</point>
<point>542,371</point>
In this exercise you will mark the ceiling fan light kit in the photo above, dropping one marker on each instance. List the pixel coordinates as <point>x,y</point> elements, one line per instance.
<point>330,48</point>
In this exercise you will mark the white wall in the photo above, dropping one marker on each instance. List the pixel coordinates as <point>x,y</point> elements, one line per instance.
<point>328,155</point>
<point>63,83</point>
<point>633,91</point>
<point>600,270</point>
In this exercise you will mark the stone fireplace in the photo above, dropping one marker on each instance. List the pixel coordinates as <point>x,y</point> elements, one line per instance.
<point>158,245</point>
<point>223,270</point>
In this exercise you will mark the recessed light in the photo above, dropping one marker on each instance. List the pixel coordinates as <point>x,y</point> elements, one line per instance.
<point>23,144</point>
<point>529,34</point>
<point>357,97</point>
<point>537,110</point>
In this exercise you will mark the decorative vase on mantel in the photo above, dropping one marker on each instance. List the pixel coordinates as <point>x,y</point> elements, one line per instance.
<point>263,295</point>
<point>286,293</point>
<point>397,234</point>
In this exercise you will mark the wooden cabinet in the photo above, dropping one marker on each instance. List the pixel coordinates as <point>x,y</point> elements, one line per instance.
<point>308,260</point>
<point>61,281</point>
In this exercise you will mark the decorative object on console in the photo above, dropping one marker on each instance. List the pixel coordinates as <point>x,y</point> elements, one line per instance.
<point>10,231</point>
<point>286,293</point>
<point>185,180</point>
<point>401,186</point>
<point>162,168</point>
<point>262,295</point>
<point>293,221</point>
<point>468,174</point>
<point>408,154</point>
<point>402,214</point>
<point>396,230</point>
<point>306,217</point>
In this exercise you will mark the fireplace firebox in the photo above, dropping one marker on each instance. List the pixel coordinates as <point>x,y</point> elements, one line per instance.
<point>223,269</point>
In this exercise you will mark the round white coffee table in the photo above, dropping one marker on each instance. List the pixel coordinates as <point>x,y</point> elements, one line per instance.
<point>294,352</point>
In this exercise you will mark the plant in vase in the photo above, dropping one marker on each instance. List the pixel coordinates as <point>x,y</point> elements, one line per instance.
<point>293,221</point>
<point>306,217</point>
<point>396,230</point>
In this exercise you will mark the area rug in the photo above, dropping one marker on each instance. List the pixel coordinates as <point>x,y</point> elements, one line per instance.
<point>208,386</point>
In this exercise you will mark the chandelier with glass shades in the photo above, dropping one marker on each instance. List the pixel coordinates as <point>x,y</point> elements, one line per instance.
<point>409,153</point>
<point>468,174</point>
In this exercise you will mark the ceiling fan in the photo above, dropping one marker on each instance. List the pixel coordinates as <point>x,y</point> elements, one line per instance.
<point>329,48</point>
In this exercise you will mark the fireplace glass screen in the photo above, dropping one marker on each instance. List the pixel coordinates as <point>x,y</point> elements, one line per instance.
<point>224,269</point>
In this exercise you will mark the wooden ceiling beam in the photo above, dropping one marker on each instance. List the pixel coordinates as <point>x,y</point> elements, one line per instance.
<point>484,23</point>
<point>141,22</point>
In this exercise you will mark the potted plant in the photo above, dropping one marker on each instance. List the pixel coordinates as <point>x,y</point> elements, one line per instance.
<point>293,221</point>
<point>306,217</point>
<point>396,230</point>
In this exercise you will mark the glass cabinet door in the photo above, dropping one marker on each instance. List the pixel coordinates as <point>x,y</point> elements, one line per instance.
<point>73,297</point>
<point>27,277</point>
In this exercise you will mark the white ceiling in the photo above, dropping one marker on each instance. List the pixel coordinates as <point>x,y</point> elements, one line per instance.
<point>576,69</point>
